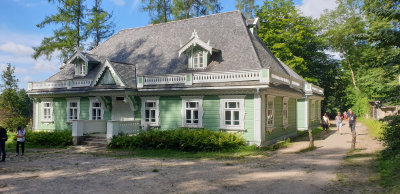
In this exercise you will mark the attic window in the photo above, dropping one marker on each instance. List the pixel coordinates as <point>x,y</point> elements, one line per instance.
<point>81,67</point>
<point>198,59</point>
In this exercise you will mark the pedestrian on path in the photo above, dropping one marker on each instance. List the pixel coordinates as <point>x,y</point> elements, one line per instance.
<point>3,139</point>
<point>325,123</point>
<point>339,124</point>
<point>20,140</point>
<point>352,125</point>
<point>345,115</point>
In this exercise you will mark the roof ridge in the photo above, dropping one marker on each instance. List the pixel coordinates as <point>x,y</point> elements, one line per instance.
<point>175,21</point>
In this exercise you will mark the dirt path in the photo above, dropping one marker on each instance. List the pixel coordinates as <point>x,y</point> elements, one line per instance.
<point>285,171</point>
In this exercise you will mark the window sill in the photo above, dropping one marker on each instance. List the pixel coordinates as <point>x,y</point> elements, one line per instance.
<point>192,126</point>
<point>47,121</point>
<point>270,129</point>
<point>233,129</point>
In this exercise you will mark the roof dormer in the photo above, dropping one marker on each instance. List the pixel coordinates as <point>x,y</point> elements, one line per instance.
<point>82,62</point>
<point>198,52</point>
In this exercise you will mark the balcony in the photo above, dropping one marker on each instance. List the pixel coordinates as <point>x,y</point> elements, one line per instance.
<point>67,84</point>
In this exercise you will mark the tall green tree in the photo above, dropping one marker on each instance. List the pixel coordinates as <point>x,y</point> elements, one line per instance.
<point>70,35</point>
<point>100,25</point>
<point>247,7</point>
<point>160,11</point>
<point>183,9</point>
<point>15,107</point>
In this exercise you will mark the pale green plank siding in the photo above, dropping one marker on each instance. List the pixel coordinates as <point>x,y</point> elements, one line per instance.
<point>59,116</point>
<point>211,112</point>
<point>249,118</point>
<point>84,109</point>
<point>301,110</point>
<point>170,112</point>
<point>107,114</point>
<point>138,105</point>
<point>292,115</point>
<point>278,120</point>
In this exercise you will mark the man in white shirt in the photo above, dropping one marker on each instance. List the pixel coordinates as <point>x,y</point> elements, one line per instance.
<point>20,140</point>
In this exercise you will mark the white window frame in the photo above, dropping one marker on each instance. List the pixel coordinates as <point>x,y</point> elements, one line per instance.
<point>285,118</point>
<point>50,117</point>
<point>96,100</point>
<point>81,68</point>
<point>157,110</point>
<point>197,99</point>
<point>197,59</point>
<point>272,108</point>
<point>238,99</point>
<point>312,110</point>
<point>69,101</point>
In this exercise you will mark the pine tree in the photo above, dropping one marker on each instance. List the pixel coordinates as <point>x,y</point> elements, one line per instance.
<point>247,7</point>
<point>183,9</point>
<point>100,25</point>
<point>70,35</point>
<point>159,10</point>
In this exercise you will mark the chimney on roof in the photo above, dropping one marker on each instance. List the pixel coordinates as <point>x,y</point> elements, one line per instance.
<point>253,25</point>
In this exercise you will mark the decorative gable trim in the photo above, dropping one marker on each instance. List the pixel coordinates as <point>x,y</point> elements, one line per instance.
<point>195,41</point>
<point>78,54</point>
<point>113,73</point>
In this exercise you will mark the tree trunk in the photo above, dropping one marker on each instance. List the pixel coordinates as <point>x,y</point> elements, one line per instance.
<point>165,11</point>
<point>353,142</point>
<point>311,138</point>
<point>352,74</point>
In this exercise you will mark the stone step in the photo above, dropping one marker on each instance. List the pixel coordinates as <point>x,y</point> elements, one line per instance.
<point>94,139</point>
<point>95,143</point>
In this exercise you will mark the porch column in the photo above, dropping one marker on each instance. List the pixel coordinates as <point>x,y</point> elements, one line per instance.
<point>258,132</point>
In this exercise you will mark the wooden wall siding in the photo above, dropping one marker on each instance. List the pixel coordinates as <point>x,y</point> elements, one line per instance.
<point>170,112</point>
<point>313,122</point>
<point>84,108</point>
<point>278,125</point>
<point>249,118</point>
<point>292,112</point>
<point>59,116</point>
<point>137,104</point>
<point>301,109</point>
<point>211,112</point>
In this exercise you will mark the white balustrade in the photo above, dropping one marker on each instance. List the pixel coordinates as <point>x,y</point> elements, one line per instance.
<point>226,77</point>
<point>60,84</point>
<point>280,78</point>
<point>81,83</point>
<point>122,127</point>
<point>172,79</point>
<point>317,90</point>
<point>297,84</point>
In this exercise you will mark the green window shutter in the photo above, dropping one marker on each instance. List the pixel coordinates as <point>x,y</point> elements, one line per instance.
<point>190,59</point>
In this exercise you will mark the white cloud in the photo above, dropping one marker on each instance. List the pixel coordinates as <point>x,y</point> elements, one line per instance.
<point>18,49</point>
<point>315,8</point>
<point>43,65</point>
<point>119,2</point>
<point>27,79</point>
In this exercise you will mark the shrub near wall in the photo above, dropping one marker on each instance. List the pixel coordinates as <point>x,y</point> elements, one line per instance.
<point>179,139</point>
<point>58,138</point>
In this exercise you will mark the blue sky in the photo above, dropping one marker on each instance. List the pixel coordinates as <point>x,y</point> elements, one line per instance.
<point>18,31</point>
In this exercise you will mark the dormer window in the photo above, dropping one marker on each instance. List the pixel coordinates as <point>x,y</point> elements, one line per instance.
<point>198,61</point>
<point>80,67</point>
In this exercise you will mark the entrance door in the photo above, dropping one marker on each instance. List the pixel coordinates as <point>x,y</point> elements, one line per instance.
<point>121,111</point>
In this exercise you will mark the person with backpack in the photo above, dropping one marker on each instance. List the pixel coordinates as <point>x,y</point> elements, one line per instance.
<point>20,140</point>
<point>3,139</point>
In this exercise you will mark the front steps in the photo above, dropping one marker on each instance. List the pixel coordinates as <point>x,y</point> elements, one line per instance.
<point>95,140</point>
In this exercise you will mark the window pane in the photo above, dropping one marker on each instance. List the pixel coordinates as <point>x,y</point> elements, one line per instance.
<point>236,115</point>
<point>150,104</point>
<point>188,114</point>
<point>196,121</point>
<point>227,122</point>
<point>228,115</point>
<point>195,114</point>
<point>232,105</point>
<point>193,104</point>
<point>236,123</point>
<point>147,114</point>
<point>188,121</point>
<point>153,115</point>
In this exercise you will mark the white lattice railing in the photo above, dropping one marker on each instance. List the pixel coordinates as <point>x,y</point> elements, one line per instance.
<point>59,84</point>
<point>122,127</point>
<point>172,79</point>
<point>225,77</point>
<point>280,78</point>
<point>317,89</point>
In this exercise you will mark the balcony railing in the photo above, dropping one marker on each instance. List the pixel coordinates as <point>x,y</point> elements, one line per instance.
<point>68,84</point>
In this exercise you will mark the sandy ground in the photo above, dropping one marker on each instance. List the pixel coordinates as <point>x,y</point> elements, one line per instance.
<point>285,171</point>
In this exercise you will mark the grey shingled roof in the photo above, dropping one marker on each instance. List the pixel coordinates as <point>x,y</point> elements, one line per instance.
<point>154,48</point>
<point>290,71</point>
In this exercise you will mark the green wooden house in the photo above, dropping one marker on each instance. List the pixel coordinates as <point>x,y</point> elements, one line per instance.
<point>208,72</point>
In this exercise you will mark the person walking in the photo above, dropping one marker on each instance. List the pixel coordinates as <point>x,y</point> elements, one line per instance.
<point>3,139</point>
<point>352,125</point>
<point>325,123</point>
<point>339,124</point>
<point>345,115</point>
<point>20,140</point>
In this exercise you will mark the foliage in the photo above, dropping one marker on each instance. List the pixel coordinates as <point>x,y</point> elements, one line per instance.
<point>391,135</point>
<point>100,26</point>
<point>74,28</point>
<point>15,106</point>
<point>58,138</point>
<point>375,127</point>
<point>389,170</point>
<point>360,106</point>
<point>179,139</point>
<point>247,8</point>
<point>162,11</point>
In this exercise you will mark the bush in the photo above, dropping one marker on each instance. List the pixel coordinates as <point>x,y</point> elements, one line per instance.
<point>58,138</point>
<point>179,139</point>
<point>375,127</point>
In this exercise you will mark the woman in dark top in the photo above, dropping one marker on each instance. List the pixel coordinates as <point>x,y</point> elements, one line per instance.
<point>3,139</point>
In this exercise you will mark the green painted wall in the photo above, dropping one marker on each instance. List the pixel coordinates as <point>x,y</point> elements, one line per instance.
<point>249,117</point>
<point>278,120</point>
<point>84,108</point>
<point>301,110</point>
<point>313,122</point>
<point>170,112</point>
<point>59,116</point>
<point>211,112</point>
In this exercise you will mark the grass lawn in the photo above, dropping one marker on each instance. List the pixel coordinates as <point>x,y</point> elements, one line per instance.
<point>374,127</point>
